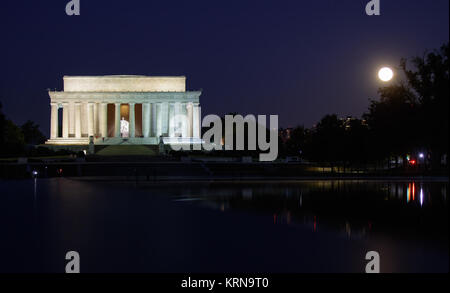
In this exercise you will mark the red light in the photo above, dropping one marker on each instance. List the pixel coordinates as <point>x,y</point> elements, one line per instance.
<point>412,162</point>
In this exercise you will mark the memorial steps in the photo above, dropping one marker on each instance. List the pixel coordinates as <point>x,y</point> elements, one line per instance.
<point>129,150</point>
<point>68,141</point>
<point>126,141</point>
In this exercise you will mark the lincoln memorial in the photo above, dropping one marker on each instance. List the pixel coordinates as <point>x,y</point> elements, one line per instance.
<point>131,109</point>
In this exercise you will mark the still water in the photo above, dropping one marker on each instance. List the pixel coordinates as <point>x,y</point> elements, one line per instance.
<point>268,226</point>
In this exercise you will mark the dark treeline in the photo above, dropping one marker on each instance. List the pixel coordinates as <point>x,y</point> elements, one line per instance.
<point>18,140</point>
<point>410,118</point>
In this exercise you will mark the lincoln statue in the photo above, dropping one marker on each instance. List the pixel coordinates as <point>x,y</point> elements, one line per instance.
<point>124,128</point>
<point>124,108</point>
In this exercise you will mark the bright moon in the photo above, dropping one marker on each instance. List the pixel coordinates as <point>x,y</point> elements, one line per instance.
<point>385,74</point>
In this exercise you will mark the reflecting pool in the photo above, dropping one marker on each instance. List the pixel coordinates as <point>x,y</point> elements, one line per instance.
<point>232,226</point>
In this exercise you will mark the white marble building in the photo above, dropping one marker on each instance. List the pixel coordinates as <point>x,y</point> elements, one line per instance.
<point>151,108</point>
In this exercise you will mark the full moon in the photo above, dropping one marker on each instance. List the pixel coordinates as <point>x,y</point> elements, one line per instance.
<point>385,74</point>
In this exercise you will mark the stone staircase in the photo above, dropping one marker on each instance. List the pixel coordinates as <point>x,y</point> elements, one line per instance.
<point>128,140</point>
<point>129,150</point>
<point>68,141</point>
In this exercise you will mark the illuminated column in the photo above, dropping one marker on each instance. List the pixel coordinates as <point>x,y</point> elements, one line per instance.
<point>165,118</point>
<point>90,119</point>
<point>96,114</point>
<point>146,119</point>
<point>117,120</point>
<point>158,120</point>
<point>54,120</point>
<point>78,120</point>
<point>184,122</point>
<point>171,119</point>
<point>71,118</point>
<point>153,120</point>
<point>65,133</point>
<point>104,119</point>
<point>84,130</point>
<point>189,117</point>
<point>86,118</point>
<point>177,109</point>
<point>196,123</point>
<point>132,120</point>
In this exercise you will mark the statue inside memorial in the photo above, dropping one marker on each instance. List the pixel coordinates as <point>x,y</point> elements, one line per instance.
<point>124,128</point>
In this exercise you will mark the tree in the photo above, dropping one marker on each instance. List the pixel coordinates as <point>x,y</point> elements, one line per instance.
<point>13,141</point>
<point>325,140</point>
<point>32,134</point>
<point>11,137</point>
<point>413,114</point>
<point>295,146</point>
<point>14,138</point>
<point>393,122</point>
<point>355,141</point>
<point>430,83</point>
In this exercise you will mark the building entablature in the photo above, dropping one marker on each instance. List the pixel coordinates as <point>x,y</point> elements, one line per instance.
<point>124,97</point>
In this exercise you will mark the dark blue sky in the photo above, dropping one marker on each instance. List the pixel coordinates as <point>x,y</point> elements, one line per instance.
<point>298,59</point>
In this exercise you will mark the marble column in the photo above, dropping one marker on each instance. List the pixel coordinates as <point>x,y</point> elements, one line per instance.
<point>96,114</point>
<point>117,120</point>
<point>90,119</point>
<point>54,120</point>
<point>78,120</point>
<point>132,120</point>
<point>189,117</point>
<point>158,119</point>
<point>184,122</point>
<point>153,120</point>
<point>177,126</point>
<point>165,118</point>
<point>171,119</point>
<point>65,133</point>
<point>71,119</point>
<point>104,119</point>
<point>146,119</point>
<point>84,130</point>
<point>196,123</point>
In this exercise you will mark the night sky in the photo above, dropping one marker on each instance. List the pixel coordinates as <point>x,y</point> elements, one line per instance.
<point>298,59</point>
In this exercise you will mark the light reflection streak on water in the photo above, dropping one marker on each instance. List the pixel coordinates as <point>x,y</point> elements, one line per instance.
<point>303,199</point>
<point>35,195</point>
<point>408,193</point>
<point>411,193</point>
<point>421,196</point>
